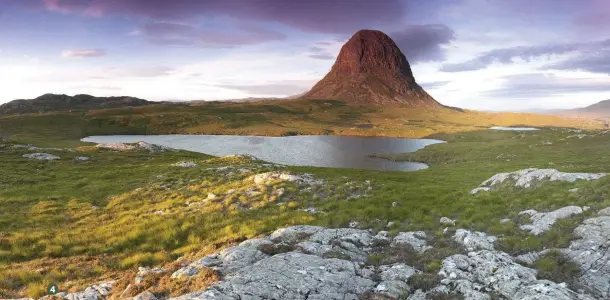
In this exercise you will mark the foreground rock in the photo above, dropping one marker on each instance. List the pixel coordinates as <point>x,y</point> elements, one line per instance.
<point>302,262</point>
<point>542,222</point>
<point>310,262</point>
<point>529,177</point>
<point>483,273</point>
<point>591,251</point>
<point>41,156</point>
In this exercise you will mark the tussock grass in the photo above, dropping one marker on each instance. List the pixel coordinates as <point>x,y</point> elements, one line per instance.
<point>75,223</point>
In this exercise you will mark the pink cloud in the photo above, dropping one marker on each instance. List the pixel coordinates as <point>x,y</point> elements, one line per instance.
<point>83,53</point>
<point>165,33</point>
<point>313,15</point>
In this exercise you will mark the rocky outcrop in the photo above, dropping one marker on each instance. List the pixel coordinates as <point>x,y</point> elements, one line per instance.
<point>312,262</point>
<point>591,251</point>
<point>41,156</point>
<point>152,147</point>
<point>276,176</point>
<point>116,146</point>
<point>137,146</point>
<point>301,262</point>
<point>474,240</point>
<point>482,273</point>
<point>94,292</point>
<point>185,164</point>
<point>527,178</point>
<point>370,68</point>
<point>542,222</point>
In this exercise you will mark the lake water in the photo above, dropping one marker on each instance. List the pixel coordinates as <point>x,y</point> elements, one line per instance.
<point>514,128</point>
<point>307,150</point>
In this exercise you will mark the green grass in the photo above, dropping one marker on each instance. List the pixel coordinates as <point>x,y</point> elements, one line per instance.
<point>122,210</point>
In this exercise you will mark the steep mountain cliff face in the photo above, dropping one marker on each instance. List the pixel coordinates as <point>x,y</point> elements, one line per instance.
<point>371,68</point>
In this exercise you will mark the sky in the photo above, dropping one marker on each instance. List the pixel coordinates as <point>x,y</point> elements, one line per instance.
<point>476,54</point>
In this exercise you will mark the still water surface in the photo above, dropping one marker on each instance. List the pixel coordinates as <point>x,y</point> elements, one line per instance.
<point>305,150</point>
<point>513,128</point>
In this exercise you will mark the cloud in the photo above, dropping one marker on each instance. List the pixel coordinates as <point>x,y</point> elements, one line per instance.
<point>164,33</point>
<point>540,85</point>
<point>422,43</point>
<point>323,56</point>
<point>589,61</point>
<point>313,15</point>
<point>106,73</point>
<point>596,15</point>
<point>83,53</point>
<point>320,53</point>
<point>526,53</point>
<point>274,88</point>
<point>434,84</point>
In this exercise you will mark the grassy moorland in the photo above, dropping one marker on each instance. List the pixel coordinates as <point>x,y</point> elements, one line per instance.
<point>270,118</point>
<point>76,223</point>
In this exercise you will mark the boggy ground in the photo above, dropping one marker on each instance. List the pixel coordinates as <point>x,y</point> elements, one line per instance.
<point>80,222</point>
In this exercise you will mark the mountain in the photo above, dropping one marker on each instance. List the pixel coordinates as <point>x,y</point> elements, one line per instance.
<point>597,110</point>
<point>53,102</point>
<point>370,68</point>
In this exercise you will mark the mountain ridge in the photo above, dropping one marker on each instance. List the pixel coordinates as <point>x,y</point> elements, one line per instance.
<point>58,102</point>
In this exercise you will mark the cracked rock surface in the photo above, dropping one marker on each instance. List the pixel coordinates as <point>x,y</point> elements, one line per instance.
<point>527,178</point>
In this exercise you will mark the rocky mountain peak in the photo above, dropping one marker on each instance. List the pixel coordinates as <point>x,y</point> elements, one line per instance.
<point>370,68</point>
<point>370,50</point>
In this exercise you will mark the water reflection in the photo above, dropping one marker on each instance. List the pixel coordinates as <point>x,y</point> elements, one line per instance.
<point>319,151</point>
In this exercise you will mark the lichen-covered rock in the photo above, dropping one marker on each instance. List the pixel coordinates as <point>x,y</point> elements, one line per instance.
<point>41,156</point>
<point>277,176</point>
<point>542,222</point>
<point>145,296</point>
<point>152,147</point>
<point>94,292</point>
<point>394,280</point>
<point>474,240</point>
<point>604,212</point>
<point>447,221</point>
<point>416,240</point>
<point>291,275</point>
<point>481,273</point>
<point>529,177</point>
<point>116,146</point>
<point>128,147</point>
<point>591,251</point>
<point>185,164</point>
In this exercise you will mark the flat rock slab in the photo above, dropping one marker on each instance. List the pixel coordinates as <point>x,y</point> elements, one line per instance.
<point>542,222</point>
<point>481,273</point>
<point>41,156</point>
<point>292,276</point>
<point>529,177</point>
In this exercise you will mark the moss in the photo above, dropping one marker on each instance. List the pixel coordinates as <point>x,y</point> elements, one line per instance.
<point>424,281</point>
<point>556,267</point>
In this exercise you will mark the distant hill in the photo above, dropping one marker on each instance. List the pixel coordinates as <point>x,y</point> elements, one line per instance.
<point>597,110</point>
<point>53,102</point>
